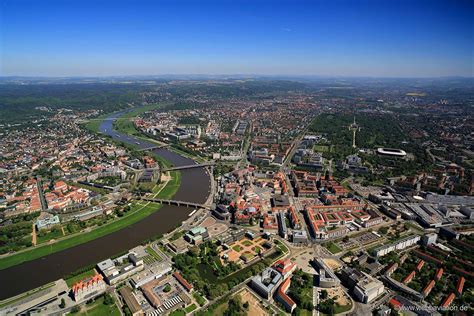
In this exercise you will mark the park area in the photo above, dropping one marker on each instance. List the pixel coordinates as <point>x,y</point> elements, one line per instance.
<point>203,268</point>
<point>244,250</point>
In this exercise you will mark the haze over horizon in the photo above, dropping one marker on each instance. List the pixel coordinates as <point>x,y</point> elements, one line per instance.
<point>286,38</point>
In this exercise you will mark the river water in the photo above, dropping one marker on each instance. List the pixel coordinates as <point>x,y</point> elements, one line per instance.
<point>195,187</point>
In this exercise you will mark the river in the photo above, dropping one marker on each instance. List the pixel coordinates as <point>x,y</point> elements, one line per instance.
<point>195,187</point>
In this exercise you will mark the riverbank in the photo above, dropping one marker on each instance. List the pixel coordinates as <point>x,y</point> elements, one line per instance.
<point>191,185</point>
<point>124,124</point>
<point>137,213</point>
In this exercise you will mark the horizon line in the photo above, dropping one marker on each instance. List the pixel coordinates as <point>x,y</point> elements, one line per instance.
<point>235,75</point>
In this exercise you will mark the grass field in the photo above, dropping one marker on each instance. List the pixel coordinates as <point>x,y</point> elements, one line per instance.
<point>237,248</point>
<point>178,312</point>
<point>199,299</point>
<point>49,235</point>
<point>190,308</point>
<point>153,253</point>
<point>322,148</point>
<point>124,123</point>
<point>341,308</point>
<point>95,124</point>
<point>137,213</point>
<point>333,248</point>
<point>77,239</point>
<point>98,308</point>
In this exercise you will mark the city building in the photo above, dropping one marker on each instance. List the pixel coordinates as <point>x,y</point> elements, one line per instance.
<point>196,235</point>
<point>183,281</point>
<point>427,289</point>
<point>285,267</point>
<point>88,288</point>
<point>448,233</point>
<point>266,282</point>
<point>120,268</point>
<point>131,302</point>
<point>326,277</point>
<point>429,239</point>
<point>391,152</point>
<point>47,223</point>
<point>299,236</point>
<point>365,287</point>
<point>368,289</point>
<point>282,229</point>
<point>467,211</point>
<point>151,272</point>
<point>221,212</point>
<point>398,245</point>
<point>283,298</point>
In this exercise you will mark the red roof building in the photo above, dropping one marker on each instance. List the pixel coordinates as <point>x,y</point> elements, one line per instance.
<point>426,291</point>
<point>83,288</point>
<point>289,304</point>
<point>420,265</point>
<point>448,300</point>
<point>285,267</point>
<point>395,304</point>
<point>460,286</point>
<point>409,277</point>
<point>439,274</point>
<point>182,281</point>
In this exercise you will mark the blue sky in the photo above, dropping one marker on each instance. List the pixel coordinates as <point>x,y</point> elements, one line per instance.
<point>335,38</point>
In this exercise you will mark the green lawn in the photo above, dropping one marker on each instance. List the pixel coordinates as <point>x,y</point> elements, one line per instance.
<point>321,148</point>
<point>341,308</point>
<point>124,123</point>
<point>94,125</point>
<point>178,312</point>
<point>70,281</point>
<point>98,308</point>
<point>77,239</point>
<point>199,299</point>
<point>247,243</point>
<point>49,235</point>
<point>237,248</point>
<point>333,248</point>
<point>153,253</point>
<point>190,308</point>
<point>282,247</point>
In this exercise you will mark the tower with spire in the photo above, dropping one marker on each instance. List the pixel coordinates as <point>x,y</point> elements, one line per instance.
<point>354,128</point>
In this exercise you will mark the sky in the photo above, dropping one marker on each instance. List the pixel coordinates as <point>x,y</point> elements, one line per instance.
<point>376,38</point>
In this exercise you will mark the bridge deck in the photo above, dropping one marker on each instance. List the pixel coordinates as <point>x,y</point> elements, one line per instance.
<point>176,202</point>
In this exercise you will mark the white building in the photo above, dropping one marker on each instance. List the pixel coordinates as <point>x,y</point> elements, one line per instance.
<point>368,289</point>
<point>398,245</point>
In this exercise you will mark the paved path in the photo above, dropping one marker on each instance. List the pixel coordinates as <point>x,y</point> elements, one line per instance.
<point>33,235</point>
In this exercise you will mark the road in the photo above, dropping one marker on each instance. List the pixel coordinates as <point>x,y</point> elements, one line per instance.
<point>39,185</point>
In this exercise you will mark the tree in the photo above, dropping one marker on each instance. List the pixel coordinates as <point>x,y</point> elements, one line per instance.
<point>324,294</point>
<point>127,311</point>
<point>75,309</point>
<point>63,303</point>
<point>167,288</point>
<point>234,308</point>
<point>108,300</point>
